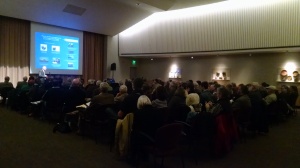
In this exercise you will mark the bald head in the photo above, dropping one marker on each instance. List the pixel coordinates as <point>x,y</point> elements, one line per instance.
<point>76,82</point>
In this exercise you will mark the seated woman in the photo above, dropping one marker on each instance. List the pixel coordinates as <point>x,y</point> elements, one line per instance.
<point>160,98</point>
<point>147,119</point>
<point>177,106</point>
<point>193,101</point>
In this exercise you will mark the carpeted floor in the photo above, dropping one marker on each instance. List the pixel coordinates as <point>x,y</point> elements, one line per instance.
<point>28,142</point>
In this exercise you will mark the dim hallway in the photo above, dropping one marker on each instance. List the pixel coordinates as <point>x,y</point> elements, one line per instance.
<point>29,142</point>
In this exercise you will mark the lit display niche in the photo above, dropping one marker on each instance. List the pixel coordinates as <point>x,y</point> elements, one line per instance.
<point>289,73</point>
<point>175,72</point>
<point>221,74</point>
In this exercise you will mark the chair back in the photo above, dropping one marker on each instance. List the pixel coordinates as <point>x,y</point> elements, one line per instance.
<point>96,112</point>
<point>168,136</point>
<point>4,91</point>
<point>164,113</point>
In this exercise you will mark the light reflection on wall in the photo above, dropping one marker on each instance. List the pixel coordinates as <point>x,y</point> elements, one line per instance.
<point>229,5</point>
<point>290,67</point>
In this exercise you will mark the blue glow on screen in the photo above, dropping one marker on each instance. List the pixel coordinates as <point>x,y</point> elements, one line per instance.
<point>56,51</point>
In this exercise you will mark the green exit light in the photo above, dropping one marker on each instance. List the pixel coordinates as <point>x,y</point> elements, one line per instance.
<point>133,62</point>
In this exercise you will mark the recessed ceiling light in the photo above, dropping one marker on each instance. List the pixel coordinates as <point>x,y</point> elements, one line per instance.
<point>151,59</point>
<point>192,57</point>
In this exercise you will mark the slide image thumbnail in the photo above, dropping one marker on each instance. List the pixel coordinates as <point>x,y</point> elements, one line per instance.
<point>71,57</point>
<point>56,61</point>
<point>44,59</point>
<point>43,47</point>
<point>56,48</point>
<point>70,65</point>
<point>70,45</point>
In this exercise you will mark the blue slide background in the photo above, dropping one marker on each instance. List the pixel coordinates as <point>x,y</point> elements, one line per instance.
<point>56,51</point>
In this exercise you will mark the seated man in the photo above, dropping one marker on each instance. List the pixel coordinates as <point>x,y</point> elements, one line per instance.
<point>242,105</point>
<point>22,83</point>
<point>5,87</point>
<point>104,98</point>
<point>129,103</point>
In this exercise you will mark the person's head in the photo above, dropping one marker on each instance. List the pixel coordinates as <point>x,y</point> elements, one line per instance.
<point>6,78</point>
<point>264,84</point>
<point>31,82</point>
<point>173,86</point>
<point>91,81</point>
<point>143,101</point>
<point>204,84</point>
<point>138,83</point>
<point>284,89</point>
<point>271,89</point>
<point>180,92</point>
<point>192,99</point>
<point>146,88</point>
<point>129,86</point>
<point>98,82</point>
<point>104,86</point>
<point>44,68</point>
<point>25,79</point>
<point>190,86</point>
<point>222,92</point>
<point>161,93</point>
<point>69,79</point>
<point>123,89</point>
<point>253,86</point>
<point>242,89</point>
<point>76,82</point>
<point>31,78</point>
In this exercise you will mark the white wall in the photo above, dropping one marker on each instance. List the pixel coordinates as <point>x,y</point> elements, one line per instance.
<point>243,68</point>
<point>122,64</point>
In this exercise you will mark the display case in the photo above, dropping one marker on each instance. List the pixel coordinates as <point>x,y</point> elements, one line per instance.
<point>221,74</point>
<point>288,75</point>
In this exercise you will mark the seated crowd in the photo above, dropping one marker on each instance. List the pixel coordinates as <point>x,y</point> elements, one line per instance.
<point>208,107</point>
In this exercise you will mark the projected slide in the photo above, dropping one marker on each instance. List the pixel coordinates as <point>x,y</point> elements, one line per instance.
<point>56,51</point>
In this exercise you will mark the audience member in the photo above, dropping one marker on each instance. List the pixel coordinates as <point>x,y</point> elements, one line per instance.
<point>5,87</point>
<point>242,105</point>
<point>160,98</point>
<point>206,95</point>
<point>22,83</point>
<point>121,95</point>
<point>271,97</point>
<point>129,103</point>
<point>177,106</point>
<point>90,87</point>
<point>75,96</point>
<point>104,98</point>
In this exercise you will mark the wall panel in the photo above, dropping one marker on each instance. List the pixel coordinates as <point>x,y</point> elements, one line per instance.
<point>267,26</point>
